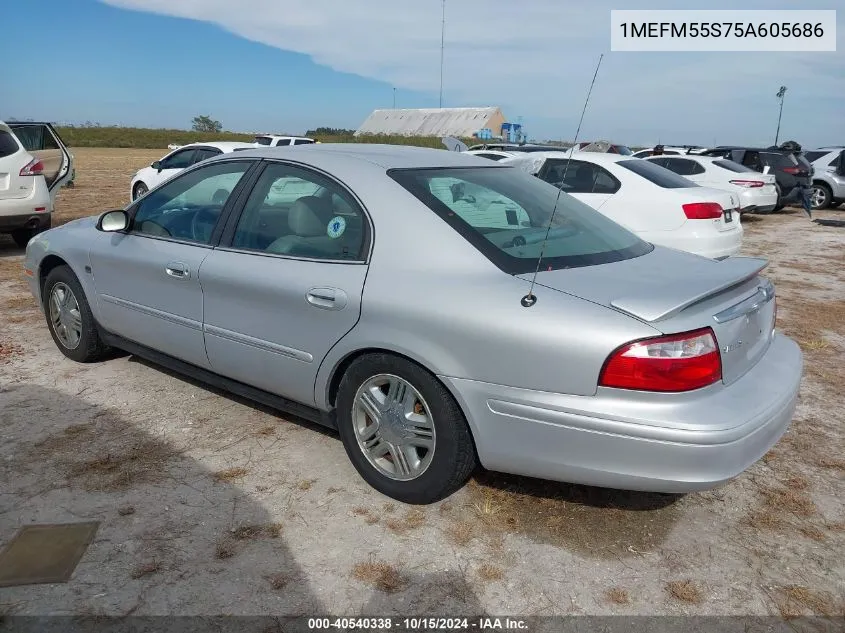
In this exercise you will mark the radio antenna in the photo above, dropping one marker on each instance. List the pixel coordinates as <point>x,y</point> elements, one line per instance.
<point>530,299</point>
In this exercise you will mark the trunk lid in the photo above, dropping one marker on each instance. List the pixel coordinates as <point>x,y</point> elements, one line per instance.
<point>676,292</point>
<point>729,201</point>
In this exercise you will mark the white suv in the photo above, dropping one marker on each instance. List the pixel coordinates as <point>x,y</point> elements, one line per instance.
<point>34,164</point>
<point>273,140</point>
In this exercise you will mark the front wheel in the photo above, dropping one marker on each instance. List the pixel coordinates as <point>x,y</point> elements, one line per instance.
<point>139,190</point>
<point>69,317</point>
<point>403,431</point>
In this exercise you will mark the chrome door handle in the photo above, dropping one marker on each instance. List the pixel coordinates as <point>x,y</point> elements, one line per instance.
<point>178,270</point>
<point>327,298</point>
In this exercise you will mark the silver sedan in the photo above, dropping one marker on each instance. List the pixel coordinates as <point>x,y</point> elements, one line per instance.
<point>387,292</point>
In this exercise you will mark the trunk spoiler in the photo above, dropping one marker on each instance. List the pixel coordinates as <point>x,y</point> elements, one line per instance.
<point>674,297</point>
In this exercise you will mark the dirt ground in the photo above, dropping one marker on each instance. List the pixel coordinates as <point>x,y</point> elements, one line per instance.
<point>211,505</point>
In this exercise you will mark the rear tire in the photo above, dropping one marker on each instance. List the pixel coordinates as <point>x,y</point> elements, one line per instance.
<point>452,457</point>
<point>69,317</point>
<point>821,196</point>
<point>779,205</point>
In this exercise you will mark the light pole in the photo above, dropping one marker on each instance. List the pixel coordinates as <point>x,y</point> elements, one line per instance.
<point>442,43</point>
<point>394,98</point>
<point>780,96</point>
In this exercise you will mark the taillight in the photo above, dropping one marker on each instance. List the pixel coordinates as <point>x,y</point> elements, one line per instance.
<point>680,362</point>
<point>751,184</point>
<point>33,168</point>
<point>791,170</point>
<point>703,210</point>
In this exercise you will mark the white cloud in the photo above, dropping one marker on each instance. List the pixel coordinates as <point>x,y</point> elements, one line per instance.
<point>536,58</point>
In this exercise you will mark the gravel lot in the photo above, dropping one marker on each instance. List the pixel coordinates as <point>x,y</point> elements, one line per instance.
<point>209,504</point>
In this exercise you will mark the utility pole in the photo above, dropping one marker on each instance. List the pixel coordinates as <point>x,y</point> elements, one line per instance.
<point>442,46</point>
<point>780,96</point>
<point>394,98</point>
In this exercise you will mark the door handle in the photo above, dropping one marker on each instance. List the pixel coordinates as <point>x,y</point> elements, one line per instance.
<point>178,270</point>
<point>327,298</point>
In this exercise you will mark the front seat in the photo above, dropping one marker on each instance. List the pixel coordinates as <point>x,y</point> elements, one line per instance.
<point>583,181</point>
<point>308,221</point>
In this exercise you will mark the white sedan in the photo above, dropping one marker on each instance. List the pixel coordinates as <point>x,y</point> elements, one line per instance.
<point>757,192</point>
<point>657,204</point>
<point>174,162</point>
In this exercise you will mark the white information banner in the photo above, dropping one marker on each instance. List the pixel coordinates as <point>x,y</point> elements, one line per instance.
<point>807,30</point>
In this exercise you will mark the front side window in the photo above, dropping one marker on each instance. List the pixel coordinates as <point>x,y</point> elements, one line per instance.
<point>656,174</point>
<point>505,213</point>
<point>575,176</point>
<point>283,141</point>
<point>814,156</point>
<point>188,207</point>
<point>8,145</point>
<point>263,140</point>
<point>297,212</point>
<point>302,141</point>
<point>179,160</point>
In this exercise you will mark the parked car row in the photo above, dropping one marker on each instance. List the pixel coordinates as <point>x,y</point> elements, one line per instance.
<point>389,292</point>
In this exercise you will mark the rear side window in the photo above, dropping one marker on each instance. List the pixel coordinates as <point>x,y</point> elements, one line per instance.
<point>302,141</point>
<point>505,213</point>
<point>8,145</point>
<point>683,166</point>
<point>283,141</point>
<point>814,156</point>
<point>732,166</point>
<point>35,138</point>
<point>574,176</point>
<point>263,140</point>
<point>656,174</point>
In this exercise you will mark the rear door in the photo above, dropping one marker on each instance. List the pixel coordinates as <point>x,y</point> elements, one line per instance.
<point>147,279</point>
<point>689,169</point>
<point>285,284</point>
<point>43,142</point>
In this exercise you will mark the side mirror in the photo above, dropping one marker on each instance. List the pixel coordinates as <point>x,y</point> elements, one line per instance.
<point>113,221</point>
<point>156,165</point>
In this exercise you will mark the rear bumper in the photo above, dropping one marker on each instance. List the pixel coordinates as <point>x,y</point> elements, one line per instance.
<point>709,243</point>
<point>33,220</point>
<point>34,210</point>
<point>631,440</point>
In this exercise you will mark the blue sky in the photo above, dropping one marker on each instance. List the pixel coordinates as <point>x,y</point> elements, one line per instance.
<point>268,65</point>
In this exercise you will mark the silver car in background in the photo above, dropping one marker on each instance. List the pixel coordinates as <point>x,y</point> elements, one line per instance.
<point>384,291</point>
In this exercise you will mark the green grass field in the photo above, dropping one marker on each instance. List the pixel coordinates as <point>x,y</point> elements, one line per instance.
<point>141,138</point>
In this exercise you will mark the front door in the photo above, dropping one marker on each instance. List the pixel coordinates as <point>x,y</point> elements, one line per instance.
<point>147,278</point>
<point>287,284</point>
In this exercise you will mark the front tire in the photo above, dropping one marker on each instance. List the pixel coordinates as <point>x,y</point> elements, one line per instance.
<point>821,196</point>
<point>69,317</point>
<point>403,431</point>
<point>139,190</point>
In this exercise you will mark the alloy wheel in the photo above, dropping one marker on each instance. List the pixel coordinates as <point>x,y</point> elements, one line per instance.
<point>65,316</point>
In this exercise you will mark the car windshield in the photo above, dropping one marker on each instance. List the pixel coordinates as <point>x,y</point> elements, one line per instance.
<point>625,151</point>
<point>263,140</point>
<point>506,214</point>
<point>732,166</point>
<point>656,174</point>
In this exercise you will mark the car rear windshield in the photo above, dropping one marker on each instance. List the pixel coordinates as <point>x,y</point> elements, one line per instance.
<point>263,140</point>
<point>506,214</point>
<point>732,166</point>
<point>656,174</point>
<point>8,144</point>
<point>776,159</point>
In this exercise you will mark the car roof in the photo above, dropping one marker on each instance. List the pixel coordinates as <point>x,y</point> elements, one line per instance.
<point>222,145</point>
<point>280,136</point>
<point>385,156</point>
<point>711,159</point>
<point>596,157</point>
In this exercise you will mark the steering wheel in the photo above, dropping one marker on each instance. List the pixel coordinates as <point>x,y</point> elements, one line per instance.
<point>201,229</point>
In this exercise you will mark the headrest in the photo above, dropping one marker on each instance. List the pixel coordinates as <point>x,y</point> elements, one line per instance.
<point>309,216</point>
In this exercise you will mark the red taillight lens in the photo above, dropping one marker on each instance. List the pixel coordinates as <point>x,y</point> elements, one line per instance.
<point>751,184</point>
<point>680,362</point>
<point>791,170</point>
<point>33,168</point>
<point>703,210</point>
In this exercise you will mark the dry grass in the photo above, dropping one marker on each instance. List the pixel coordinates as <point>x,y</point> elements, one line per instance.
<point>9,351</point>
<point>461,532</point>
<point>381,575</point>
<point>127,466</point>
<point>796,600</point>
<point>812,532</point>
<point>765,519</point>
<point>617,595</point>
<point>305,484</point>
<point>278,581</point>
<point>125,511</point>
<point>230,474</point>
<point>266,431</point>
<point>332,490</point>
<point>388,507</point>
<point>685,591</point>
<point>20,303</point>
<point>146,569</point>
<point>830,463</point>
<point>368,515</point>
<point>225,549</point>
<point>249,532</point>
<point>490,573</point>
<point>412,520</point>
<point>797,502</point>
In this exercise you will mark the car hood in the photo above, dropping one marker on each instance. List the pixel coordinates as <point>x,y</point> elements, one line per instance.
<point>655,286</point>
